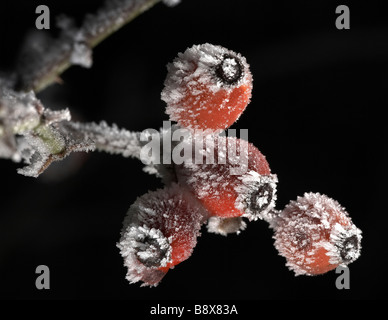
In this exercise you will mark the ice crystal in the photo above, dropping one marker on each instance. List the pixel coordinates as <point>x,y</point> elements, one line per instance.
<point>110,139</point>
<point>19,113</point>
<point>225,226</point>
<point>81,55</point>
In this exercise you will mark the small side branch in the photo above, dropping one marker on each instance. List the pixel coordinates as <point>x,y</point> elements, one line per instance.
<point>31,133</point>
<point>43,59</point>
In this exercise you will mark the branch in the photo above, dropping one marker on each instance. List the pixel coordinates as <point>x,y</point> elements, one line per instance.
<point>38,136</point>
<point>43,59</point>
<point>32,133</point>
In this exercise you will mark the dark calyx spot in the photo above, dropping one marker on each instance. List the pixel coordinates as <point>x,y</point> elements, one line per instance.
<point>349,249</point>
<point>155,253</point>
<point>229,70</point>
<point>261,198</point>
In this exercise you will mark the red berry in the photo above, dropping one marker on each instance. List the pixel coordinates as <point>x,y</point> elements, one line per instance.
<point>251,193</point>
<point>315,235</point>
<point>159,232</point>
<point>207,87</point>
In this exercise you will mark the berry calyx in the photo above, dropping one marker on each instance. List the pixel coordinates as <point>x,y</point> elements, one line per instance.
<point>207,87</point>
<point>315,234</point>
<point>230,70</point>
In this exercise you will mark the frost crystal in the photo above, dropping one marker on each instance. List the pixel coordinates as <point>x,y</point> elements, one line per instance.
<point>224,226</point>
<point>144,250</point>
<point>110,139</point>
<point>81,55</point>
<point>19,113</point>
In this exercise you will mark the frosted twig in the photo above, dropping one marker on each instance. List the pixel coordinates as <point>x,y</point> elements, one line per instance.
<point>39,136</point>
<point>109,139</point>
<point>43,59</point>
<point>34,134</point>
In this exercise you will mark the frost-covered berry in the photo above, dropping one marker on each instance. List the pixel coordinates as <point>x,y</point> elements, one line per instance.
<point>159,232</point>
<point>207,87</point>
<point>236,184</point>
<point>315,235</point>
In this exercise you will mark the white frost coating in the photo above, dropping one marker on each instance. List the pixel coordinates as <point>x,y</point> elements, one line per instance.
<point>50,117</point>
<point>81,55</point>
<point>344,246</point>
<point>257,196</point>
<point>35,152</point>
<point>142,249</point>
<point>224,226</point>
<point>111,139</point>
<point>19,112</point>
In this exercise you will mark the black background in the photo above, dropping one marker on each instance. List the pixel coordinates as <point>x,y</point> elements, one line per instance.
<point>318,113</point>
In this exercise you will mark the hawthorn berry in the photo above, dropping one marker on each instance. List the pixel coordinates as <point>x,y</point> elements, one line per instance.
<point>315,234</point>
<point>159,232</point>
<point>250,192</point>
<point>207,87</point>
<point>206,90</point>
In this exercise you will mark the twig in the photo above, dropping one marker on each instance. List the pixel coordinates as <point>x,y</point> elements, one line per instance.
<point>46,58</point>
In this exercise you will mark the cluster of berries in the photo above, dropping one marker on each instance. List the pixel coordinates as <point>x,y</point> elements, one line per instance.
<point>207,88</point>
